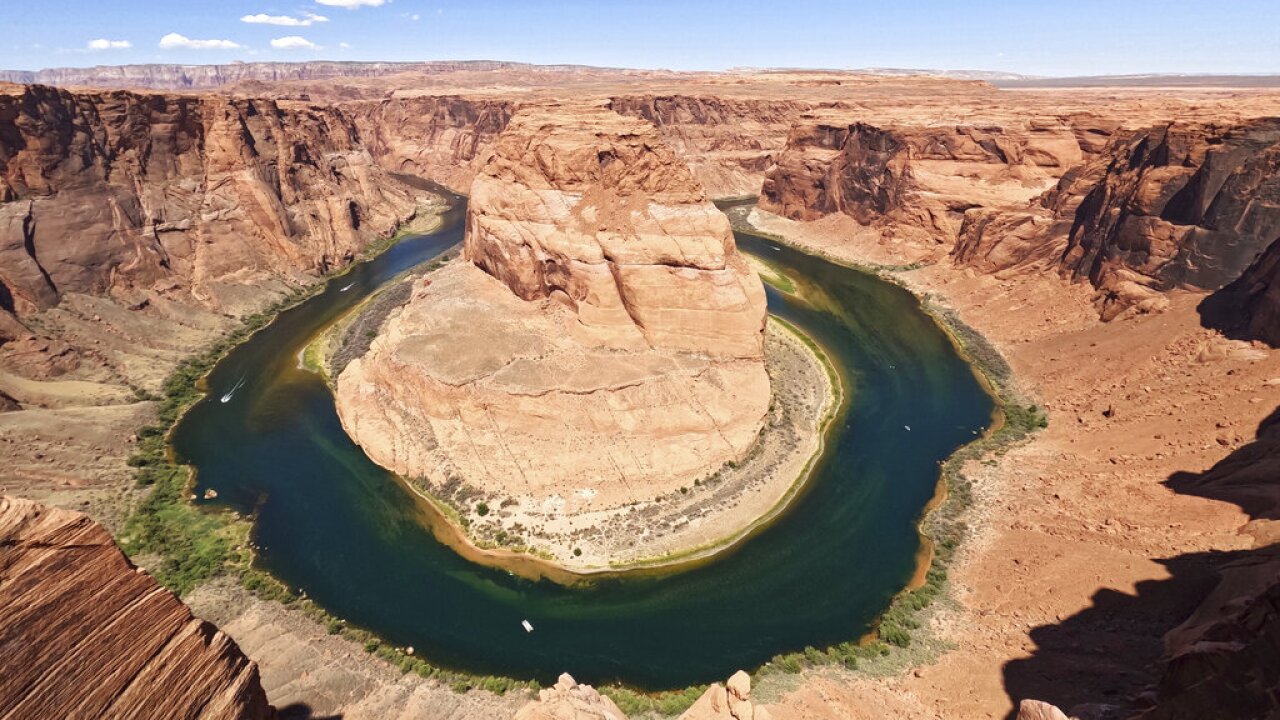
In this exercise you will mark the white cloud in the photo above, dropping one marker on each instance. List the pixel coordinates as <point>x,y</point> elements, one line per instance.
<point>344,45</point>
<point>174,40</point>
<point>352,4</point>
<point>105,44</point>
<point>306,20</point>
<point>293,42</point>
<point>415,17</point>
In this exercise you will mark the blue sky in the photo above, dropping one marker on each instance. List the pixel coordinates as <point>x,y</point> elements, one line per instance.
<point>1067,37</point>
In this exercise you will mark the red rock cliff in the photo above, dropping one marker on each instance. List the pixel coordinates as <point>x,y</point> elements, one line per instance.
<point>107,191</point>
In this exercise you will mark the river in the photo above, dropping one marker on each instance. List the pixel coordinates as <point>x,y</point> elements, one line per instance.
<point>330,522</point>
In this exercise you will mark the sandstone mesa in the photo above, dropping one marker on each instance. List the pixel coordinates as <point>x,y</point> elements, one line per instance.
<point>612,336</point>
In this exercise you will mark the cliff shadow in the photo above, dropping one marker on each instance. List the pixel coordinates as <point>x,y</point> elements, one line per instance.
<point>1108,660</point>
<point>302,711</point>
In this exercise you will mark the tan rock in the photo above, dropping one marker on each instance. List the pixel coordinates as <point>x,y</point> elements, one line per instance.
<point>1037,710</point>
<point>591,207</point>
<point>731,701</point>
<point>568,700</point>
<point>86,634</point>
<point>604,348</point>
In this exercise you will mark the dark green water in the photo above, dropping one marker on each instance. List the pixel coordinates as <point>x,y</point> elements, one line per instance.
<point>333,523</point>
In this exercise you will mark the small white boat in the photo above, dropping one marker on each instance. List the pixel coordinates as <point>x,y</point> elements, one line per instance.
<point>346,287</point>
<point>227,398</point>
<point>528,626</point>
<point>908,427</point>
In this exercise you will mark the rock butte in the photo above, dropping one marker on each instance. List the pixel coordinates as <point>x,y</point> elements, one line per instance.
<point>86,634</point>
<point>613,334</point>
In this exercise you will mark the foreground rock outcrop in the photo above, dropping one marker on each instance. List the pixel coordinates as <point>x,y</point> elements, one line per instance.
<point>568,700</point>
<point>86,634</point>
<point>613,334</point>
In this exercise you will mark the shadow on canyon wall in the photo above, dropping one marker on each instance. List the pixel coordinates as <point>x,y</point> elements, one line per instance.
<point>302,711</point>
<point>1203,643</point>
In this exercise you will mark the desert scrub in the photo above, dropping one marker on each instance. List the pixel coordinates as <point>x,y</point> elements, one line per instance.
<point>669,703</point>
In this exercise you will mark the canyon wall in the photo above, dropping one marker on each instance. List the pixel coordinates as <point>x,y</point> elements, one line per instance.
<point>727,142</point>
<point>1181,206</point>
<point>830,167</point>
<point>108,192</point>
<point>445,138</point>
<point>86,634</point>
<point>913,181</point>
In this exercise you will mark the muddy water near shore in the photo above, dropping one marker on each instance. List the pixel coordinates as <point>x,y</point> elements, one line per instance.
<point>356,540</point>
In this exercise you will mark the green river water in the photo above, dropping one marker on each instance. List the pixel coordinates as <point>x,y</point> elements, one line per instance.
<point>351,535</point>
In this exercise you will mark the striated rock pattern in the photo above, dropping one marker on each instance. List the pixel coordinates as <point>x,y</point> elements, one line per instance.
<point>614,334</point>
<point>1224,661</point>
<point>446,138</point>
<point>112,191</point>
<point>84,634</point>
<point>916,182</point>
<point>1181,206</point>
<point>567,700</point>
<point>1177,206</point>
<point>728,142</point>
<point>996,239</point>
<point>592,208</point>
<point>1249,308</point>
<point>856,169</point>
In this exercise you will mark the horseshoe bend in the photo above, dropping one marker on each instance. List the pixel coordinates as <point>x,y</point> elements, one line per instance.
<point>338,387</point>
<point>597,353</point>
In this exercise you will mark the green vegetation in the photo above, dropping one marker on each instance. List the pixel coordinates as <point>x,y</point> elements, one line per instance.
<point>670,703</point>
<point>482,509</point>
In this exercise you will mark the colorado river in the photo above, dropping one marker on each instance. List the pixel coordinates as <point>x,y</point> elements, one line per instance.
<point>355,539</point>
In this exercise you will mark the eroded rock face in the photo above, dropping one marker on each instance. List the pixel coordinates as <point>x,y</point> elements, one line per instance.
<point>1169,207</point>
<point>567,700</point>
<point>86,634</point>
<point>592,208</point>
<point>731,701</point>
<point>1224,661</point>
<point>1249,308</point>
<point>856,169</point>
<point>197,195</point>
<point>1181,206</point>
<point>601,345</point>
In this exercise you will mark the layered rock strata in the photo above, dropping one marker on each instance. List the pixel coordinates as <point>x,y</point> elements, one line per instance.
<point>86,634</point>
<point>601,345</point>
<point>1180,206</point>
<point>911,181</point>
<point>109,192</point>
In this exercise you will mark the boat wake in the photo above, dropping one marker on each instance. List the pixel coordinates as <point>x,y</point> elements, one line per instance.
<point>227,397</point>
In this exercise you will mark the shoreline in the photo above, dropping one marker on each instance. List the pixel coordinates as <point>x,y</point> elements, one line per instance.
<point>274,591</point>
<point>930,527</point>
